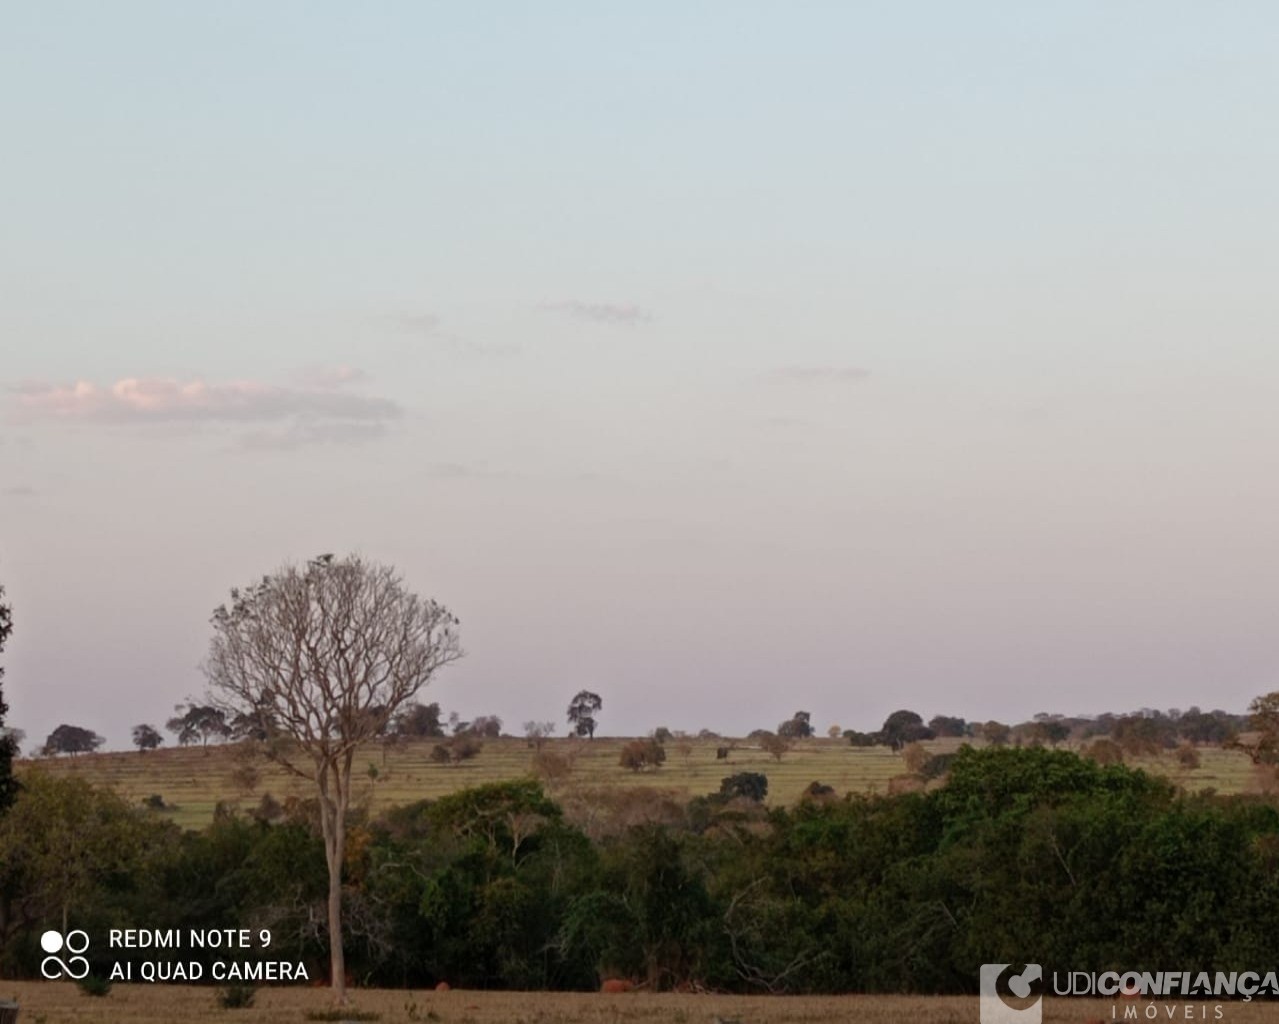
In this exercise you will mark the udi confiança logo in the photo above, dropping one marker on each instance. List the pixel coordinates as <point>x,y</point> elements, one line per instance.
<point>1021,987</point>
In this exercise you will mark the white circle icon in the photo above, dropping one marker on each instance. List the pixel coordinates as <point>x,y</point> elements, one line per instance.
<point>51,941</point>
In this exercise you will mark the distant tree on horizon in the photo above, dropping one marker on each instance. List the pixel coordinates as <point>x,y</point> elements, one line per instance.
<point>537,733</point>
<point>643,753</point>
<point>948,725</point>
<point>418,721</point>
<point>73,740</point>
<point>199,722</point>
<point>903,727</point>
<point>146,737</point>
<point>488,726</point>
<point>799,726</point>
<point>582,710</point>
<point>772,743</point>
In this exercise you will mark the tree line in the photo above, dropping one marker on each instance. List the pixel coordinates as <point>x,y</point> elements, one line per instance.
<point>312,662</point>
<point>195,723</point>
<point>1025,854</point>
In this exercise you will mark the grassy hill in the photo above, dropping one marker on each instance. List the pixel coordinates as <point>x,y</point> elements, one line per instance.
<point>193,780</point>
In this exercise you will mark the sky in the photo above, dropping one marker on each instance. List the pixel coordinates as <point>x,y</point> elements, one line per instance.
<point>727,359</point>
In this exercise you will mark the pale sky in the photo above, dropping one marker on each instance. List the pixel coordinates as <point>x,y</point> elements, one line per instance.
<point>726,359</point>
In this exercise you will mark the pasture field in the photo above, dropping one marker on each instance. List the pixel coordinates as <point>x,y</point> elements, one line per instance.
<point>193,780</point>
<point>62,1003</point>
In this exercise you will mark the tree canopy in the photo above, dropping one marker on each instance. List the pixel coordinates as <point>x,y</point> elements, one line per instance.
<point>8,785</point>
<point>582,710</point>
<point>72,739</point>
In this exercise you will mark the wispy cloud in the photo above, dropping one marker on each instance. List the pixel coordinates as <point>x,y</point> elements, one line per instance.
<point>309,432</point>
<point>429,327</point>
<point>21,491</point>
<point>819,374</point>
<point>319,413</point>
<point>463,471</point>
<point>165,399</point>
<point>417,323</point>
<point>329,376</point>
<point>620,314</point>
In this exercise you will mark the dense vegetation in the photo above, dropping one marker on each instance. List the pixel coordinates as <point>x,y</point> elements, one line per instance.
<point>1025,854</point>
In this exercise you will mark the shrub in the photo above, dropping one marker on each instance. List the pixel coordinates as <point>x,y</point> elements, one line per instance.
<point>94,985</point>
<point>552,767</point>
<point>1104,752</point>
<point>937,766</point>
<point>773,744</point>
<point>639,754</point>
<point>1188,756</point>
<point>750,785</point>
<point>460,748</point>
<point>237,996</point>
<point>269,809</point>
<point>916,756</point>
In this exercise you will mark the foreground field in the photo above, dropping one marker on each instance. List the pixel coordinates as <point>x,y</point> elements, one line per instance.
<point>193,780</point>
<point>62,1003</point>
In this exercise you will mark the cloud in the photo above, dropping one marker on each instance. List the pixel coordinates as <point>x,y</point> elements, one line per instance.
<point>428,326</point>
<point>462,471</point>
<point>167,400</point>
<point>335,376</point>
<point>21,491</point>
<point>306,433</point>
<point>818,374</point>
<point>622,314</point>
<point>417,323</point>
<point>317,414</point>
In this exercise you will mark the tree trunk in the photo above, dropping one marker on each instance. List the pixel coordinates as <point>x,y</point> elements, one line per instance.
<point>337,957</point>
<point>333,825</point>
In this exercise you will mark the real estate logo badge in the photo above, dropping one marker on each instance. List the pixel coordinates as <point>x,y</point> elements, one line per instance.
<point>996,1010</point>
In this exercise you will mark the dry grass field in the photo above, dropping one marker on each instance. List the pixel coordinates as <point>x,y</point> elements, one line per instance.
<point>62,1003</point>
<point>193,780</point>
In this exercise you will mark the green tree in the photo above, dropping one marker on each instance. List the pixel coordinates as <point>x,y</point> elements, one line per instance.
<point>201,722</point>
<point>418,721</point>
<point>582,710</point>
<point>751,786</point>
<point>948,725</point>
<point>1263,719</point>
<point>72,739</point>
<point>902,727</point>
<point>60,842</point>
<point>8,785</point>
<point>642,753</point>
<point>799,726</point>
<point>1050,732</point>
<point>146,737</point>
<point>773,744</point>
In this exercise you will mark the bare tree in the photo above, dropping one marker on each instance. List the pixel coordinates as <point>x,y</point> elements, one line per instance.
<point>538,733</point>
<point>322,657</point>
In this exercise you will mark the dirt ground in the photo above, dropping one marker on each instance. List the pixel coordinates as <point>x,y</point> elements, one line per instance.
<point>62,1003</point>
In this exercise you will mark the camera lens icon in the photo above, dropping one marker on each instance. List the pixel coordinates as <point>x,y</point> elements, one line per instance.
<point>74,942</point>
